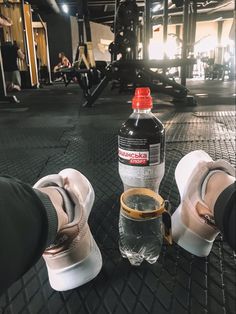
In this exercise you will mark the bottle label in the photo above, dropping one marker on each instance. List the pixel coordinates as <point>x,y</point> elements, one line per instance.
<point>138,152</point>
<point>134,157</point>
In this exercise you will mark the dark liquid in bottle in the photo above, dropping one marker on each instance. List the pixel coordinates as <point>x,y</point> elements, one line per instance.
<point>150,129</point>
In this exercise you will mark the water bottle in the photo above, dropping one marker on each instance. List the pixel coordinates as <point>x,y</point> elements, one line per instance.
<point>143,223</point>
<point>141,145</point>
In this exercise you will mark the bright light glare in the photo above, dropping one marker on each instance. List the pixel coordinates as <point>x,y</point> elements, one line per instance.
<point>227,56</point>
<point>206,44</point>
<point>227,42</point>
<point>157,50</point>
<point>65,8</point>
<point>156,7</point>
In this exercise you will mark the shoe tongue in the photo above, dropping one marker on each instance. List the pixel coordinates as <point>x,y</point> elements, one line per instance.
<point>68,203</point>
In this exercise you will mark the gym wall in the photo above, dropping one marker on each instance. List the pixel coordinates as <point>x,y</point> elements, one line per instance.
<point>102,37</point>
<point>59,36</point>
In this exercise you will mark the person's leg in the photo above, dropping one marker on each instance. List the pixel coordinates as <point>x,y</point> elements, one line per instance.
<point>226,219</point>
<point>50,218</point>
<point>220,198</point>
<point>207,191</point>
<point>57,75</point>
<point>28,224</point>
<point>74,257</point>
<point>55,69</point>
<point>8,80</point>
<point>16,78</point>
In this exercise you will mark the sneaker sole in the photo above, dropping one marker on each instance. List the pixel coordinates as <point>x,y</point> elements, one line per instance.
<point>189,167</point>
<point>84,271</point>
<point>77,274</point>
<point>188,239</point>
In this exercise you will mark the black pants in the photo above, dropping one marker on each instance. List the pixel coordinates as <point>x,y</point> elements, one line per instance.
<point>225,214</point>
<point>28,225</point>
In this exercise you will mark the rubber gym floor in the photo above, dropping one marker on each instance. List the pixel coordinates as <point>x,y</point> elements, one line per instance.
<point>49,130</point>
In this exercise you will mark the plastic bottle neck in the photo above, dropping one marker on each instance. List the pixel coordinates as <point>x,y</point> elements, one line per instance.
<point>142,111</point>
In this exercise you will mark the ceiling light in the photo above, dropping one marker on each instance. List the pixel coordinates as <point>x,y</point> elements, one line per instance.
<point>156,7</point>
<point>65,8</point>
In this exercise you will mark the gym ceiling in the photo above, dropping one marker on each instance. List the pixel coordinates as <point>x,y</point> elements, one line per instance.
<point>102,11</point>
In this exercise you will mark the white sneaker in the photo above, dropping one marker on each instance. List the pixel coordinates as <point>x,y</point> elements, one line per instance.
<point>194,233</point>
<point>74,258</point>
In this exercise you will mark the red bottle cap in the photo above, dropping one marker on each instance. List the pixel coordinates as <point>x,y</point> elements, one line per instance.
<point>142,98</point>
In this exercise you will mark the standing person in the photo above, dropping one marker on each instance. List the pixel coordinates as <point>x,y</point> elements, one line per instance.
<point>10,53</point>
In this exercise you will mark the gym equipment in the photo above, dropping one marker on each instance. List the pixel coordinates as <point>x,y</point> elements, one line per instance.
<point>125,30</point>
<point>86,71</point>
<point>136,73</point>
<point>129,71</point>
<point>42,51</point>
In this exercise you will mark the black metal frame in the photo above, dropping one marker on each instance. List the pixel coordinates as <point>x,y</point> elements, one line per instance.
<point>138,72</point>
<point>128,70</point>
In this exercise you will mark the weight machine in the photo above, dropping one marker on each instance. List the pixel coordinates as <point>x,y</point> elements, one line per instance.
<point>133,68</point>
<point>85,69</point>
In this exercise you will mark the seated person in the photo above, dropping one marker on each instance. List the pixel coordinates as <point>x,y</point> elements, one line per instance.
<point>64,63</point>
